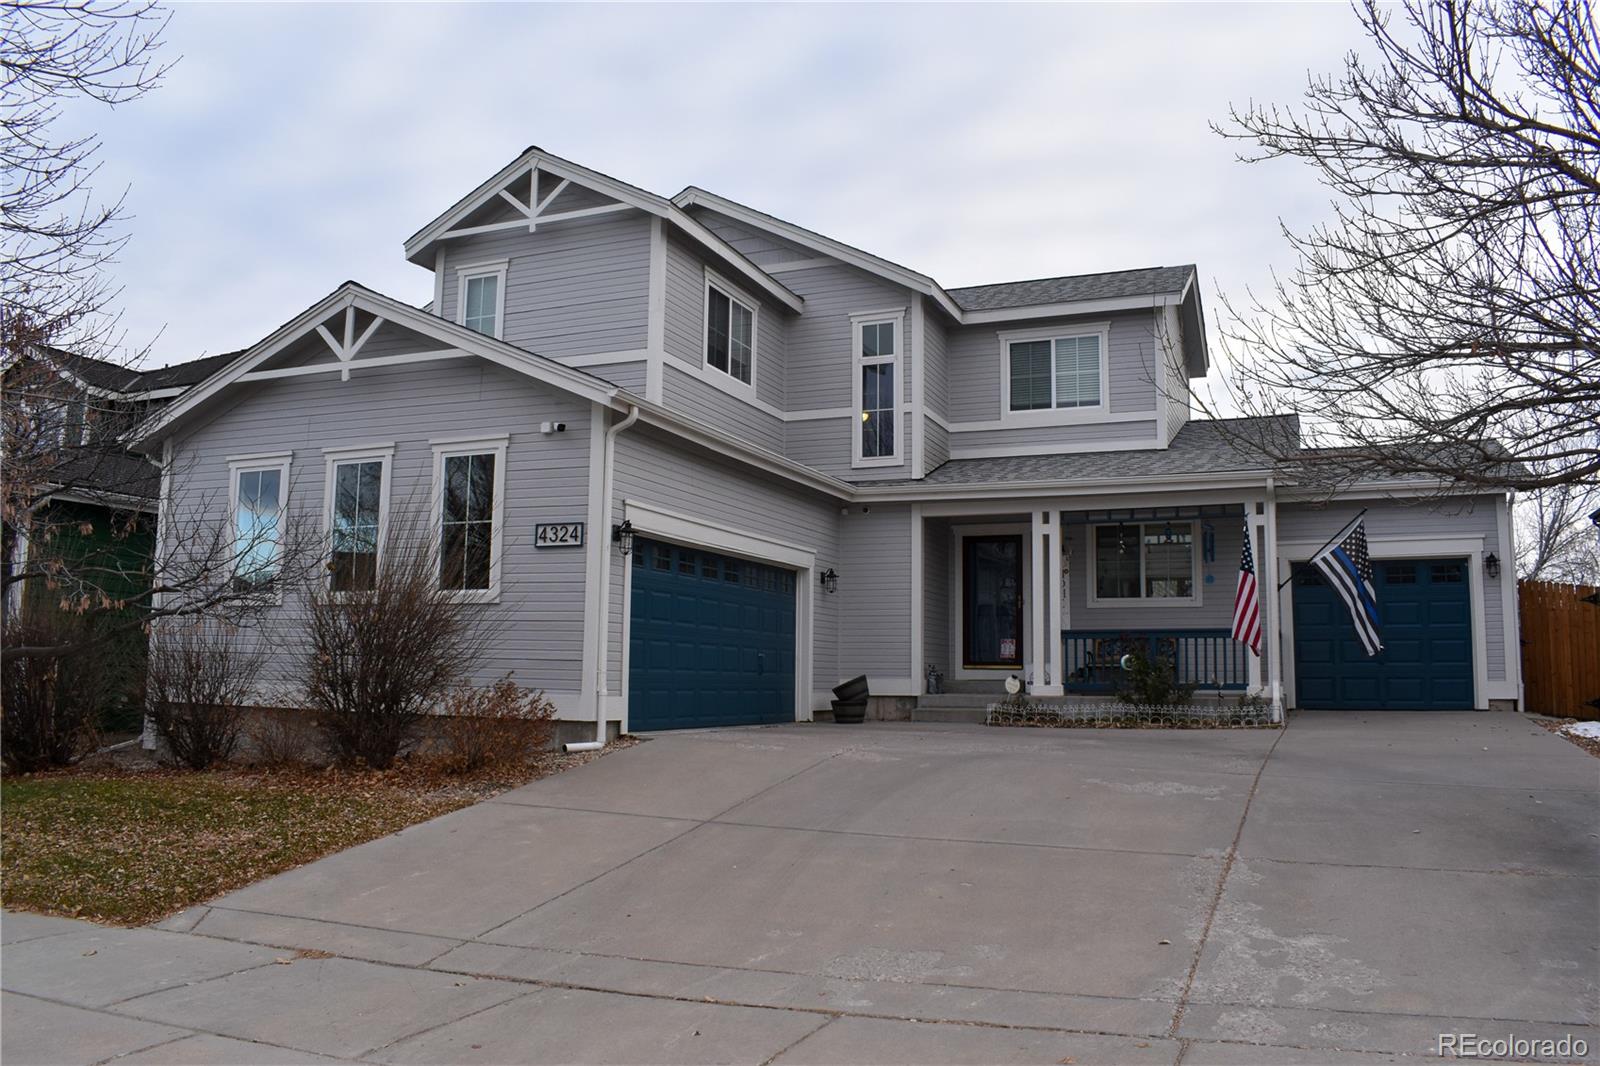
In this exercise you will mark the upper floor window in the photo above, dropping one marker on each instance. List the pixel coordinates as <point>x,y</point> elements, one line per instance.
<point>1065,371</point>
<point>481,293</point>
<point>877,361</point>
<point>470,483</point>
<point>259,488</point>
<point>730,332</point>
<point>357,502</point>
<point>1152,561</point>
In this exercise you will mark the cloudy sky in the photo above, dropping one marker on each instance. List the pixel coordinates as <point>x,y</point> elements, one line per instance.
<point>295,146</point>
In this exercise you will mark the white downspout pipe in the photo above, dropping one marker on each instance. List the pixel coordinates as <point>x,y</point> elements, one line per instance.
<point>603,615</point>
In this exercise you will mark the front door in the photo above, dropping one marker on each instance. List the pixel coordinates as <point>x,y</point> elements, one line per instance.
<point>991,574</point>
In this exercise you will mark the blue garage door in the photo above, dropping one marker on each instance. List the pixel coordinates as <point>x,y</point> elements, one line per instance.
<point>712,640</point>
<point>1425,612</point>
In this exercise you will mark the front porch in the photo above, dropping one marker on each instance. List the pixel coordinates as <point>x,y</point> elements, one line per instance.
<point>1057,592</point>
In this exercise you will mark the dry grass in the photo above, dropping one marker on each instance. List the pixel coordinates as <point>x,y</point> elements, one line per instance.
<point>132,847</point>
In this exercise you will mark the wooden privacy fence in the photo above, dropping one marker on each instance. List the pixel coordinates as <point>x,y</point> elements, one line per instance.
<point>1560,649</point>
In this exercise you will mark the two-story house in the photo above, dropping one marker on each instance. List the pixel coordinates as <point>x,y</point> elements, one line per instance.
<point>704,463</point>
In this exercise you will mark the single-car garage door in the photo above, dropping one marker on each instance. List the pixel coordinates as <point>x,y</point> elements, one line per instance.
<point>711,642</point>
<point>1425,619</point>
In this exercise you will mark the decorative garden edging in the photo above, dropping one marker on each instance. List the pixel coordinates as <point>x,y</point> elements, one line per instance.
<point>1102,715</point>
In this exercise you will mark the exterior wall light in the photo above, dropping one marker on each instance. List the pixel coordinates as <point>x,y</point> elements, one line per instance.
<point>830,580</point>
<point>622,535</point>
<point>1491,565</point>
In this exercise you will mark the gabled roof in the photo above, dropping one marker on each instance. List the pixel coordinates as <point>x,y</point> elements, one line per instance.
<point>1149,281</point>
<point>419,246</point>
<point>127,382</point>
<point>1124,290</point>
<point>694,196</point>
<point>353,295</point>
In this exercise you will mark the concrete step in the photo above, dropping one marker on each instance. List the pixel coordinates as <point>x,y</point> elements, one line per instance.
<point>958,699</point>
<point>949,714</point>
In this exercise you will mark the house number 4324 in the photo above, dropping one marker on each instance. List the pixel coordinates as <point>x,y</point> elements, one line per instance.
<point>558,535</point>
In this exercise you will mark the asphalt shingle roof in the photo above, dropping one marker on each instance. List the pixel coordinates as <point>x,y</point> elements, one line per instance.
<point>1148,281</point>
<point>1203,447</point>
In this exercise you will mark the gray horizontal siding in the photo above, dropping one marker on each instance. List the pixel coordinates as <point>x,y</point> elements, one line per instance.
<point>1139,434</point>
<point>540,616</point>
<point>757,245</point>
<point>938,600</point>
<point>820,340</point>
<point>935,351</point>
<point>1473,516</point>
<point>684,335</point>
<point>572,288</point>
<point>974,355</point>
<point>652,468</point>
<point>712,407</point>
<point>875,592</point>
<point>935,444</point>
<point>630,375</point>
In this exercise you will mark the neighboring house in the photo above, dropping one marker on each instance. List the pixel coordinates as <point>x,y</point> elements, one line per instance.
<point>830,465</point>
<point>98,502</point>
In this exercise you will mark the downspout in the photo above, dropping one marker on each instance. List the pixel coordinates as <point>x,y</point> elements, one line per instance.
<point>603,615</point>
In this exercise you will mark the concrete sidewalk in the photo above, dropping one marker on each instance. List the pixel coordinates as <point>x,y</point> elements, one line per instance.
<point>1345,890</point>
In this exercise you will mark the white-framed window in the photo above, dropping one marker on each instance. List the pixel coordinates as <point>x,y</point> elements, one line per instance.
<point>1055,374</point>
<point>469,478</point>
<point>878,339</point>
<point>356,515</point>
<point>481,297</point>
<point>730,331</point>
<point>1155,563</point>
<point>258,495</point>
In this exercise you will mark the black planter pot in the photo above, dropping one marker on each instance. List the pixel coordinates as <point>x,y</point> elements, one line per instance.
<point>852,690</point>
<point>849,712</point>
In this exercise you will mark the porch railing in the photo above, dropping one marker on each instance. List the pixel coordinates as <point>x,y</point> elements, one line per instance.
<point>1209,658</point>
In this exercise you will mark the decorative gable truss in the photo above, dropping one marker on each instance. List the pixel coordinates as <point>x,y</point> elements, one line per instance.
<point>356,329</point>
<point>538,189</point>
<point>531,198</point>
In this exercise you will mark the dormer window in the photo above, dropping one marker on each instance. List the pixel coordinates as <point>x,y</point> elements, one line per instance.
<point>482,298</point>
<point>1057,370</point>
<point>730,332</point>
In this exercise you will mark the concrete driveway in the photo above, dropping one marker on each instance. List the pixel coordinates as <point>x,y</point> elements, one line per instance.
<point>1345,890</point>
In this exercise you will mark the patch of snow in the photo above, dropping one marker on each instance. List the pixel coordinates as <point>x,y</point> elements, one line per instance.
<point>1587,730</point>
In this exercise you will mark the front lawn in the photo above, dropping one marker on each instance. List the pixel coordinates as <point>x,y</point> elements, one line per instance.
<point>130,848</point>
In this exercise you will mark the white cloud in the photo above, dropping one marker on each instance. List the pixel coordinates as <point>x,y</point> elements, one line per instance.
<point>296,146</point>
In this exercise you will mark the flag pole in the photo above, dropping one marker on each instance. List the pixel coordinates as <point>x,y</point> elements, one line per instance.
<point>1330,540</point>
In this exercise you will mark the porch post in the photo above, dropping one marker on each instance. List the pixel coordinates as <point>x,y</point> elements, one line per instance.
<point>1269,557</point>
<point>1264,592</point>
<point>1036,594</point>
<point>1052,588</point>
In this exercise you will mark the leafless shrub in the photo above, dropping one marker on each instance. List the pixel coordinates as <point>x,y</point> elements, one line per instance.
<point>200,680</point>
<point>280,738</point>
<point>501,725</point>
<point>383,657</point>
<point>51,705</point>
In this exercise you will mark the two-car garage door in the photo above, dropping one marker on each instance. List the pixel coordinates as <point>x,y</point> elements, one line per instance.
<point>712,640</point>
<point>1425,613</point>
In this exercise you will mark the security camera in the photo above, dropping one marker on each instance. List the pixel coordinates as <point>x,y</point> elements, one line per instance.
<point>552,427</point>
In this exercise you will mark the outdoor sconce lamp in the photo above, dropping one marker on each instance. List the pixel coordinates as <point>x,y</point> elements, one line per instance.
<point>830,580</point>
<point>623,536</point>
<point>1491,564</point>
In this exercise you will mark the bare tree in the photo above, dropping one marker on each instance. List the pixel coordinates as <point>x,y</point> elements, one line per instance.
<point>201,679</point>
<point>58,236</point>
<point>1556,538</point>
<point>1446,323</point>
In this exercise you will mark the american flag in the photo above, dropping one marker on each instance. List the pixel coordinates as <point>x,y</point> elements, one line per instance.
<point>1348,568</point>
<point>1247,600</point>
